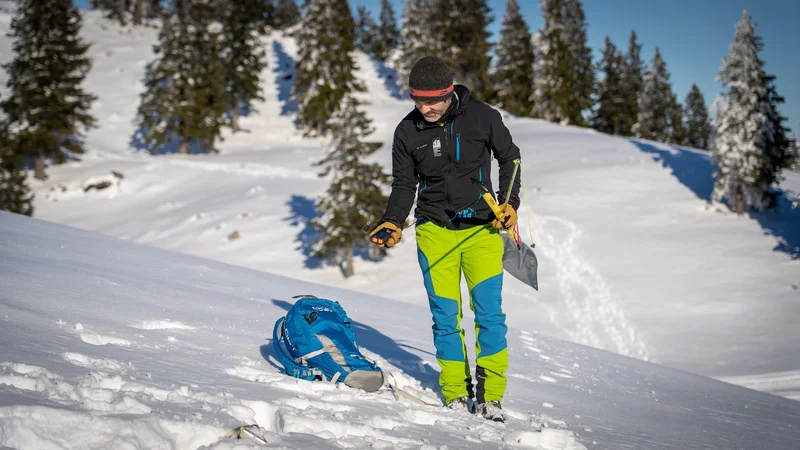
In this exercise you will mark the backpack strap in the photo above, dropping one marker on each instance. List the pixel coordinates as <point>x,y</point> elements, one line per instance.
<point>296,368</point>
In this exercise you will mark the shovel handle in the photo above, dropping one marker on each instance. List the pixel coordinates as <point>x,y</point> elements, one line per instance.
<point>498,212</point>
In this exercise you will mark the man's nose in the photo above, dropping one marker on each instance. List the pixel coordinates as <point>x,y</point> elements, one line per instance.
<point>424,108</point>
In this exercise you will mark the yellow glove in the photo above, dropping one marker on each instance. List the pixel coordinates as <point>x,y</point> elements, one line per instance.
<point>509,218</point>
<point>387,238</point>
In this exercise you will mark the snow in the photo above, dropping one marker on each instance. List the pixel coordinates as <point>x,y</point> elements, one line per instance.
<point>108,343</point>
<point>113,344</point>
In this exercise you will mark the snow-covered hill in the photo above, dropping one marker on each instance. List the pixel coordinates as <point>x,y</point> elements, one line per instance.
<point>631,261</point>
<point>112,344</point>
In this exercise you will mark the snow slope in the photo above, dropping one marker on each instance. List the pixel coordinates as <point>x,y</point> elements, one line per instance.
<point>113,344</point>
<point>631,260</point>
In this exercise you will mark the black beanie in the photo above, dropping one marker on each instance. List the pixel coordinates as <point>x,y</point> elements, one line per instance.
<point>430,80</point>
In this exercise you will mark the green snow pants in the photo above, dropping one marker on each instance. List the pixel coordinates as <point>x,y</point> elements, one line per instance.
<point>478,252</point>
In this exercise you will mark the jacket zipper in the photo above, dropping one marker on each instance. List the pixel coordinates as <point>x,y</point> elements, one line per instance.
<point>449,135</point>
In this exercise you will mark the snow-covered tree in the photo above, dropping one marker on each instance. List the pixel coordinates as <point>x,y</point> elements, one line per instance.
<point>114,9</point>
<point>513,72</point>
<point>552,65</point>
<point>611,110</point>
<point>576,37</point>
<point>632,80</point>
<point>325,68</point>
<point>146,9</point>
<point>243,55</point>
<point>564,76</point>
<point>677,128</point>
<point>464,38</point>
<point>698,125</point>
<point>750,146</point>
<point>120,10</point>
<point>784,155</point>
<point>419,38</point>
<point>283,14</point>
<point>794,156</point>
<point>388,36</point>
<point>356,192</point>
<point>47,106</point>
<point>15,195</point>
<point>366,31</point>
<point>184,96</point>
<point>658,105</point>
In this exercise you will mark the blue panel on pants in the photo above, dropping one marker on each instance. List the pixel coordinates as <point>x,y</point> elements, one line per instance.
<point>446,335</point>
<point>486,299</point>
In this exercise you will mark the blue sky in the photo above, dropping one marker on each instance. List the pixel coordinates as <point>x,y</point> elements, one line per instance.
<point>693,36</point>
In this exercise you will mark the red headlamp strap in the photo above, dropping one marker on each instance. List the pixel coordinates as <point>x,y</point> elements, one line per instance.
<point>439,93</point>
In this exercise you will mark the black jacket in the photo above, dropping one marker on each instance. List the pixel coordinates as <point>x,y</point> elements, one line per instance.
<point>441,158</point>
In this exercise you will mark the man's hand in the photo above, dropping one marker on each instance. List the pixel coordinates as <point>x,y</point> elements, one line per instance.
<point>509,218</point>
<point>387,238</point>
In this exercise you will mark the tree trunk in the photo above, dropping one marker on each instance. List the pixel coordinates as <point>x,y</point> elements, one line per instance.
<point>347,269</point>
<point>235,118</point>
<point>38,172</point>
<point>739,202</point>
<point>183,148</point>
<point>121,11</point>
<point>139,11</point>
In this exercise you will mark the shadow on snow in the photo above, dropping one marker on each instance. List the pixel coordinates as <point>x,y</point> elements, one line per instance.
<point>695,170</point>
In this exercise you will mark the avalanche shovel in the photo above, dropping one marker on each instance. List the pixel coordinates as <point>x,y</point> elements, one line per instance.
<point>519,260</point>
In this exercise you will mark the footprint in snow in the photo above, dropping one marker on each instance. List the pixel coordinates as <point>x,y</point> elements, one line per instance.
<point>88,362</point>
<point>163,325</point>
<point>93,338</point>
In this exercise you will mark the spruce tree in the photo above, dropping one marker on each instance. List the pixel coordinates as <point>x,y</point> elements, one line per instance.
<point>564,74</point>
<point>784,155</point>
<point>113,9</point>
<point>677,129</point>
<point>419,38</point>
<point>465,43</point>
<point>632,81</point>
<point>576,37</point>
<point>120,10</point>
<point>750,146</point>
<point>243,55</point>
<point>15,195</point>
<point>47,105</point>
<point>355,194</point>
<point>794,157</point>
<point>513,74</point>
<point>366,31</point>
<point>145,9</point>
<point>325,66</point>
<point>388,36</point>
<point>551,69</point>
<point>610,115</point>
<point>184,99</point>
<point>283,14</point>
<point>657,103</point>
<point>698,125</point>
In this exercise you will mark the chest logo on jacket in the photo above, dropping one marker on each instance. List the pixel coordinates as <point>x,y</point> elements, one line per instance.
<point>437,147</point>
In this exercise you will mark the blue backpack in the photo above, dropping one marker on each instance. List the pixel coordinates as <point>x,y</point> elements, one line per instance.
<point>316,341</point>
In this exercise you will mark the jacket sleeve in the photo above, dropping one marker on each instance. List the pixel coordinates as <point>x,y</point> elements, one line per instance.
<point>404,183</point>
<point>505,151</point>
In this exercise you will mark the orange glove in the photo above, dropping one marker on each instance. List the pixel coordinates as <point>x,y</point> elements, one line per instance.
<point>509,218</point>
<point>388,238</point>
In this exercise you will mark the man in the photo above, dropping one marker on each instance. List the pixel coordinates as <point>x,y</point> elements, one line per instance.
<point>445,142</point>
